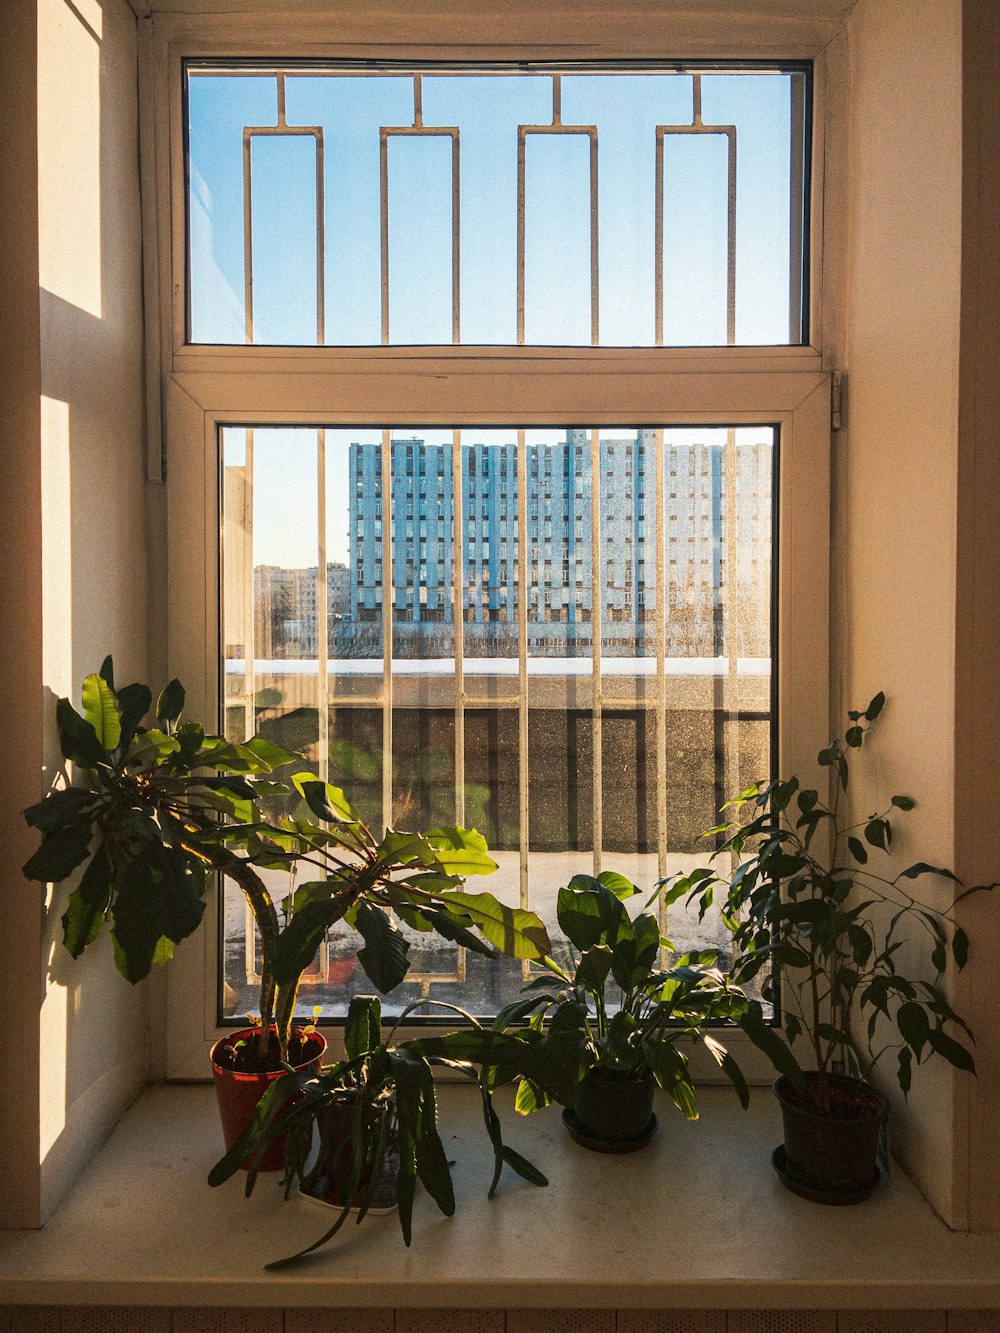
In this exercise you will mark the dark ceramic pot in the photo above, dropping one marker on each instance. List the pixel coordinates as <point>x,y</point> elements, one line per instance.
<point>832,1154</point>
<point>613,1111</point>
<point>238,1093</point>
<point>330,1179</point>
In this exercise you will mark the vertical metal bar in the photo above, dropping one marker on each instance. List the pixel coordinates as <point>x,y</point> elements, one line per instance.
<point>594,265</point>
<point>383,147</point>
<point>388,596</point>
<point>556,99</point>
<point>731,702</point>
<point>320,242</point>
<point>696,99</point>
<point>249,669</point>
<point>796,235</point>
<point>658,240</point>
<point>458,620</point>
<point>662,592</point>
<point>322,615</point>
<point>731,240</point>
<point>520,233</point>
<point>521,592</point>
<point>418,100</point>
<point>247,240</point>
<point>596,621</point>
<point>249,601</point>
<point>456,242</point>
<point>280,80</point>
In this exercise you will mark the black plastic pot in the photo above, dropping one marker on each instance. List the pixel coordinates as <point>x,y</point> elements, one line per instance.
<point>613,1110</point>
<point>330,1178</point>
<point>830,1157</point>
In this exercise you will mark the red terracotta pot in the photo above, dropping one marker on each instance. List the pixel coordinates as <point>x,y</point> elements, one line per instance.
<point>238,1093</point>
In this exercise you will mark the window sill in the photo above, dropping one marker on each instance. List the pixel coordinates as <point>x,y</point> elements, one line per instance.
<point>696,1220</point>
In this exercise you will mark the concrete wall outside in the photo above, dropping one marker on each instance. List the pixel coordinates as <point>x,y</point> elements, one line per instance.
<point>93,1056</point>
<point>896,471</point>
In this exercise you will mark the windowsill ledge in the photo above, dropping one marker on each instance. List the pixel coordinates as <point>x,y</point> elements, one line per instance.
<point>696,1220</point>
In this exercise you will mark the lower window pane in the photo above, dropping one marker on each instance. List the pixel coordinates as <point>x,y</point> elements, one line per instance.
<point>559,637</point>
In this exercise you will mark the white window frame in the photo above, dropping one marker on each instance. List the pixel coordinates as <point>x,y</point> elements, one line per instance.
<point>193,390</point>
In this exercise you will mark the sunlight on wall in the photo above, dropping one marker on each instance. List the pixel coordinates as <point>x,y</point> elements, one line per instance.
<point>54,1027</point>
<point>57,551</point>
<point>57,668</point>
<point>69,158</point>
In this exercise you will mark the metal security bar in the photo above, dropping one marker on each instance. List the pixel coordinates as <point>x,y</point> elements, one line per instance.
<point>283,130</point>
<point>557,127</point>
<point>697,126</point>
<point>416,130</point>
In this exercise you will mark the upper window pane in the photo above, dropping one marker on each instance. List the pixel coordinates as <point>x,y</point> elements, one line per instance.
<point>495,206</point>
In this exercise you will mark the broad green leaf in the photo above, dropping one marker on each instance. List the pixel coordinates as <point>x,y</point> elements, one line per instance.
<point>100,708</point>
<point>914,1025</point>
<point>729,1067</point>
<point>450,929</point>
<point>525,1169</point>
<point>875,707</point>
<point>271,755</point>
<point>766,1039</point>
<point>922,868</point>
<point>134,702</point>
<point>170,704</point>
<point>60,853</point>
<point>514,931</point>
<point>78,739</point>
<point>960,947</point>
<point>301,938</point>
<point>953,1051</point>
<point>903,802</point>
<point>107,671</point>
<point>65,805</point>
<point>857,849</point>
<point>617,884</point>
<point>385,956</point>
<point>84,915</point>
<point>461,851</point>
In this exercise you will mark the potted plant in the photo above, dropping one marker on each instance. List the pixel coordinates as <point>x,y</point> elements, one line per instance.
<point>375,1116</point>
<point>167,805</point>
<point>806,903</point>
<point>633,1014</point>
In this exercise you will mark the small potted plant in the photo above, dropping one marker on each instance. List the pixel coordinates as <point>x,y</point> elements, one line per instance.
<point>166,805</point>
<point>809,910</point>
<point>375,1116</point>
<point>634,1015</point>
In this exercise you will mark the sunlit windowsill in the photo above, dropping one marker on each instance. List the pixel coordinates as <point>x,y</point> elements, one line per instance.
<point>696,1220</point>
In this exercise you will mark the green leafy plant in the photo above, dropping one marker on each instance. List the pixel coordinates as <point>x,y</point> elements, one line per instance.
<point>164,806</point>
<point>375,1107</point>
<point>808,908</point>
<point>631,1013</point>
<point>136,822</point>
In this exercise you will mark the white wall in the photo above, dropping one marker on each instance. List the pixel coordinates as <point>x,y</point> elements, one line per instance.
<point>897,469</point>
<point>93,1025</point>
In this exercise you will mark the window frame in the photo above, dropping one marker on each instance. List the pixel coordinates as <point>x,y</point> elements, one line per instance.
<point>193,390</point>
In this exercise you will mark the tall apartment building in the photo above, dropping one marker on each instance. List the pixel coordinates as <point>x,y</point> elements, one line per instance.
<point>557,571</point>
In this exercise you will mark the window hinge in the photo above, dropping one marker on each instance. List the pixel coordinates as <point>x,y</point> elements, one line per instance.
<point>838,383</point>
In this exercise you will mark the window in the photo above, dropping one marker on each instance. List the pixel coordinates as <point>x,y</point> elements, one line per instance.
<point>579,721</point>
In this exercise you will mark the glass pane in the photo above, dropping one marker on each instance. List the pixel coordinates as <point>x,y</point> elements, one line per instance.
<point>731,145</point>
<point>565,759</point>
